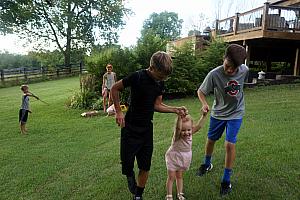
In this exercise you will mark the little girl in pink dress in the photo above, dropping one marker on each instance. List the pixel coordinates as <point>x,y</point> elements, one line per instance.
<point>179,155</point>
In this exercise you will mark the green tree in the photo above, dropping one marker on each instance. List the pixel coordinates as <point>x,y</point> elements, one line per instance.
<point>212,56</point>
<point>148,44</point>
<point>47,58</point>
<point>184,79</point>
<point>123,61</point>
<point>8,60</point>
<point>165,24</point>
<point>67,23</point>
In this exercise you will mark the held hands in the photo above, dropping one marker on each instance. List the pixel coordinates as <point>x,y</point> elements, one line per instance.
<point>120,119</point>
<point>205,109</point>
<point>181,111</point>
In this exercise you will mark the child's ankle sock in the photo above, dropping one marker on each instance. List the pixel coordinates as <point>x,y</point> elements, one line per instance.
<point>227,174</point>
<point>207,160</point>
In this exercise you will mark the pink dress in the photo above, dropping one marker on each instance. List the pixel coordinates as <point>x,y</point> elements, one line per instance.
<point>179,155</point>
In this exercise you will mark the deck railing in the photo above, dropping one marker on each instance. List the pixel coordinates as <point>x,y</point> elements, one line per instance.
<point>267,17</point>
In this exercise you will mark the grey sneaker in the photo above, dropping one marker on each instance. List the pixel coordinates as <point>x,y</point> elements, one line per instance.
<point>226,188</point>
<point>204,169</point>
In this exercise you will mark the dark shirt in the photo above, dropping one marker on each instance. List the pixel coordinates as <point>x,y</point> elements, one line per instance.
<point>144,91</point>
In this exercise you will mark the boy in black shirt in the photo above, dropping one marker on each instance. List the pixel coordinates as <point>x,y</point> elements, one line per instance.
<point>137,129</point>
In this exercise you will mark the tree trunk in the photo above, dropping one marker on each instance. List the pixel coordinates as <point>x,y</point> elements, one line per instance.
<point>67,53</point>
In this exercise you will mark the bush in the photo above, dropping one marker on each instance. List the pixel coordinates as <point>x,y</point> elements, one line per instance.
<point>190,68</point>
<point>123,61</point>
<point>184,78</point>
<point>211,57</point>
<point>86,97</point>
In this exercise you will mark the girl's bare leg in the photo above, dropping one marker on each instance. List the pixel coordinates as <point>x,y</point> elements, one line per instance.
<point>179,181</point>
<point>22,128</point>
<point>169,184</point>
<point>104,101</point>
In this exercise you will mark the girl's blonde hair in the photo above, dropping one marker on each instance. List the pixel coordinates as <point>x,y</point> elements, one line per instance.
<point>178,125</point>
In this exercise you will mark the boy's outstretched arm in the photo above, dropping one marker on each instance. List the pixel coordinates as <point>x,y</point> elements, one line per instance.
<point>159,106</point>
<point>205,107</point>
<point>178,128</point>
<point>200,123</point>
<point>115,90</point>
<point>32,95</point>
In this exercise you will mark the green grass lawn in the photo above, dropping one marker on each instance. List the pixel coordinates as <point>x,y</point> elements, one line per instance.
<point>65,156</point>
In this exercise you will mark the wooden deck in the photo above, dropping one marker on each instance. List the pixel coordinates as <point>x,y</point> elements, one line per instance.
<point>270,33</point>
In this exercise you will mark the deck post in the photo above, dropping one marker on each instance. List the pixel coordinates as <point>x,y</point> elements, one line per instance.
<point>217,26</point>
<point>248,51</point>
<point>236,23</point>
<point>297,63</point>
<point>264,17</point>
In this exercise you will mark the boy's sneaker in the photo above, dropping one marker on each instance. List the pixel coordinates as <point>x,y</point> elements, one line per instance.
<point>226,188</point>
<point>137,198</point>
<point>131,184</point>
<point>203,169</point>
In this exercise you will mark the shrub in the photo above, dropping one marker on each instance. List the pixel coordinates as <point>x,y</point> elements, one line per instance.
<point>211,57</point>
<point>87,96</point>
<point>184,77</point>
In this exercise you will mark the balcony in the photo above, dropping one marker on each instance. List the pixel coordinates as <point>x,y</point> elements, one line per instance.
<point>268,21</point>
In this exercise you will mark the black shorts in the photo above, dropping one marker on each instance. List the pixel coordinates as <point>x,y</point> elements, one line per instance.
<point>23,115</point>
<point>136,142</point>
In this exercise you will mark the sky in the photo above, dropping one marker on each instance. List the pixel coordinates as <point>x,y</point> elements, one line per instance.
<point>195,13</point>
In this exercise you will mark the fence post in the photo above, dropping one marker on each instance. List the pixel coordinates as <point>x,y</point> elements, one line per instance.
<point>57,71</point>
<point>25,74</point>
<point>80,67</point>
<point>2,75</point>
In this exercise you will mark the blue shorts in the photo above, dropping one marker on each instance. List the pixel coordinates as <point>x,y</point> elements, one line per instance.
<point>217,127</point>
<point>23,115</point>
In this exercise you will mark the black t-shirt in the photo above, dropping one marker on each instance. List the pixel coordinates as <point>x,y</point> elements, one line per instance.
<point>144,91</point>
